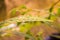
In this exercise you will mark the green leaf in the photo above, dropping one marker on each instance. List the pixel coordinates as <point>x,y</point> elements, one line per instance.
<point>13,12</point>
<point>18,23</point>
<point>51,9</point>
<point>58,12</point>
<point>23,13</point>
<point>22,7</point>
<point>53,17</point>
<point>0,26</point>
<point>29,35</point>
<point>39,38</point>
<point>40,33</point>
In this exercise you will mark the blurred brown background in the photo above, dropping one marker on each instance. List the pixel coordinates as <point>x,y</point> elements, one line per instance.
<point>7,5</point>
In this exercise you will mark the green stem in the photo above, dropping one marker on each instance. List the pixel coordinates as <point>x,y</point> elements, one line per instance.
<point>51,9</point>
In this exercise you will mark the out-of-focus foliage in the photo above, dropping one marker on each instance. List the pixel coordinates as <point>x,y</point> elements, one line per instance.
<point>58,12</point>
<point>25,27</point>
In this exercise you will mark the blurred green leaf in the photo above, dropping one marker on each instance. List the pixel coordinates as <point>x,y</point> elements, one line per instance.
<point>53,17</point>
<point>25,12</point>
<point>18,23</point>
<point>51,9</point>
<point>39,38</point>
<point>22,7</point>
<point>25,27</point>
<point>39,35</point>
<point>27,37</point>
<point>13,12</point>
<point>8,35</point>
<point>58,12</point>
<point>22,13</point>
<point>30,36</point>
<point>1,26</point>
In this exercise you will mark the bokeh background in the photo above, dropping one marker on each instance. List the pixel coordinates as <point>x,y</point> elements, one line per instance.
<point>7,5</point>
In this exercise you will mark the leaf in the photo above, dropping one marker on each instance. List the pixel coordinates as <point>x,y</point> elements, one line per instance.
<point>13,12</point>
<point>25,27</point>
<point>29,35</point>
<point>40,33</point>
<point>8,35</point>
<point>22,7</point>
<point>58,12</point>
<point>53,17</point>
<point>51,9</point>
<point>18,23</point>
<point>39,38</point>
<point>0,26</point>
<point>23,13</point>
<point>36,23</point>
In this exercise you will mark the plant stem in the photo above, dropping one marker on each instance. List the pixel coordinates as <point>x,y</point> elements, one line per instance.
<point>52,7</point>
